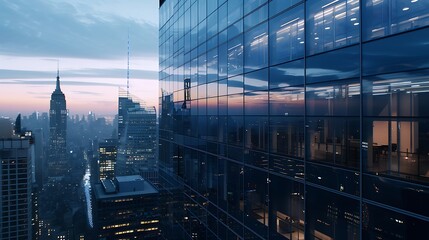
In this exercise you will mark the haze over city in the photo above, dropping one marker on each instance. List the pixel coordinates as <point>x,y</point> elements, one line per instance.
<point>89,39</point>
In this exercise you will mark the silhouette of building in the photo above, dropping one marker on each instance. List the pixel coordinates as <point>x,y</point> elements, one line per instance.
<point>16,154</point>
<point>57,164</point>
<point>306,119</point>
<point>126,207</point>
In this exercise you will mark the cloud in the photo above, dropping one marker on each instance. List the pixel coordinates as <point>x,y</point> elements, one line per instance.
<point>81,73</point>
<point>60,29</point>
<point>52,83</point>
<point>87,93</point>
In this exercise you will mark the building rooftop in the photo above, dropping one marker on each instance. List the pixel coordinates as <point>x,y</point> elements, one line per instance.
<point>123,186</point>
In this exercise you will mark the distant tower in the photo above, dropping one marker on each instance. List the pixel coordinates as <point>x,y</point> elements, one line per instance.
<point>57,164</point>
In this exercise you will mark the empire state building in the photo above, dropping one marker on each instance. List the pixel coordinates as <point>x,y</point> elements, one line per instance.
<point>58,165</point>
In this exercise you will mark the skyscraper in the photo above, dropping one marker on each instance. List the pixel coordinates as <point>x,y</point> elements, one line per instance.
<point>306,119</point>
<point>137,146</point>
<point>16,183</point>
<point>107,154</point>
<point>57,164</point>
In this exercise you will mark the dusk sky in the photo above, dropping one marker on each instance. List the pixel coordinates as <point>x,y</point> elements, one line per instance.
<point>89,38</point>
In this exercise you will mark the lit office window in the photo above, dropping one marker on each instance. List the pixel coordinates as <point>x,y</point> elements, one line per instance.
<point>287,36</point>
<point>332,24</point>
<point>385,17</point>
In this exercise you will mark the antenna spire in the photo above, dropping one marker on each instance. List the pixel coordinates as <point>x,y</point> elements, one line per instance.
<point>128,66</point>
<point>58,76</point>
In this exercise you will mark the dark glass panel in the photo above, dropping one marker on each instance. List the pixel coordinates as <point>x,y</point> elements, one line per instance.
<point>379,223</point>
<point>334,178</point>
<point>236,130</point>
<point>331,216</point>
<point>334,140</point>
<point>286,209</point>
<point>403,195</point>
<point>212,65</point>
<point>256,200</point>
<point>407,51</point>
<point>287,166</point>
<point>287,136</point>
<point>256,133</point>
<point>256,48</point>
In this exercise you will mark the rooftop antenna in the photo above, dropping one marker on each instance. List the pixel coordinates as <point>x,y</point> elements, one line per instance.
<point>128,66</point>
<point>58,75</point>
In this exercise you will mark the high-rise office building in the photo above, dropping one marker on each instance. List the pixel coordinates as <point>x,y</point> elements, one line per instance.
<point>107,153</point>
<point>137,132</point>
<point>57,163</point>
<point>16,153</point>
<point>306,119</point>
<point>126,207</point>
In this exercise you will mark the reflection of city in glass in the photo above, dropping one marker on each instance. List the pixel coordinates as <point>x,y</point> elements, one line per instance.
<point>302,119</point>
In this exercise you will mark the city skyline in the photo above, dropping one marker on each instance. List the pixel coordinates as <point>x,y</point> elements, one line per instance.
<point>89,39</point>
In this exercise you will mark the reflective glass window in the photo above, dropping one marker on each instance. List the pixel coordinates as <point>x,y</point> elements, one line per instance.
<point>212,89</point>
<point>288,74</point>
<point>212,106</point>
<point>403,94</point>
<point>235,104</point>
<point>223,61</point>
<point>212,25</point>
<point>256,103</point>
<point>202,32</point>
<point>334,65</point>
<point>257,80</point>
<point>223,17</point>
<point>235,29</point>
<point>331,24</point>
<point>250,5</point>
<point>328,99</point>
<point>235,10</point>
<point>256,17</point>
<point>212,65</point>
<point>334,140</point>
<point>287,136</point>
<point>211,6</point>
<point>202,10</point>
<point>385,17</point>
<point>202,69</point>
<point>277,6</point>
<point>223,87</point>
<point>407,51</point>
<point>287,101</point>
<point>256,48</point>
<point>235,84</point>
<point>235,56</point>
<point>287,36</point>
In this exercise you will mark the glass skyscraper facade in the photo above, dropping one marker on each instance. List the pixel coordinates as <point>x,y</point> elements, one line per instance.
<point>289,119</point>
